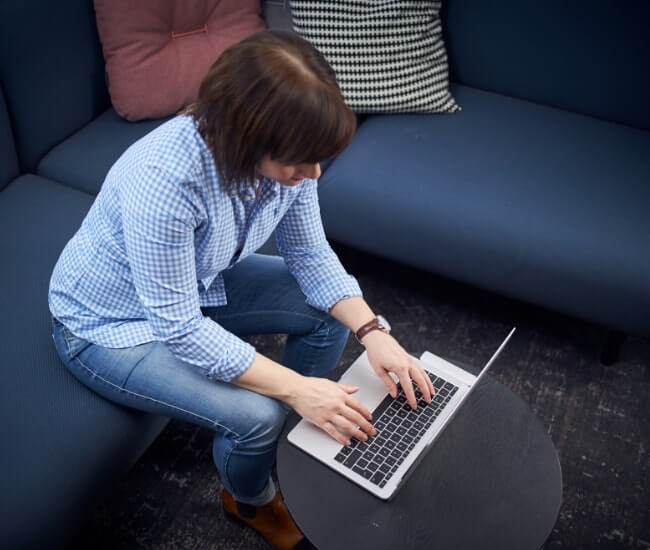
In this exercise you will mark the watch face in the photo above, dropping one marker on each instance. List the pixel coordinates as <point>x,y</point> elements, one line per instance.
<point>383,322</point>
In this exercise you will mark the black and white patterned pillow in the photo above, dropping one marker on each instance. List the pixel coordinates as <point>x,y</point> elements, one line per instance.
<point>388,55</point>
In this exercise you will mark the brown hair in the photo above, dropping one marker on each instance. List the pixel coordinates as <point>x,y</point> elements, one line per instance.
<point>272,93</point>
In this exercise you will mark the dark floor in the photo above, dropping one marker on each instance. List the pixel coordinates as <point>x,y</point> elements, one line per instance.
<point>598,418</point>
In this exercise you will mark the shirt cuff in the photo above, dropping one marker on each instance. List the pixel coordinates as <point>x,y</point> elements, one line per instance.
<point>325,296</point>
<point>236,360</point>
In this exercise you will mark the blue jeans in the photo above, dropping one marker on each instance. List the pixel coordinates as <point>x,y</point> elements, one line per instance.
<point>263,298</point>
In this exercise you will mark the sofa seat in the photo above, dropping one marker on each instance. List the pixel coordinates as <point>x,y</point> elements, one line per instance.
<point>526,200</point>
<point>62,444</point>
<point>83,160</point>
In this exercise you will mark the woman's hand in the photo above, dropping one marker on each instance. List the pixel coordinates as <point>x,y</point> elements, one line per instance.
<point>330,406</point>
<point>386,355</point>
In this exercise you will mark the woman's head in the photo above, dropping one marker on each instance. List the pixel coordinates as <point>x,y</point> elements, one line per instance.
<point>271,100</point>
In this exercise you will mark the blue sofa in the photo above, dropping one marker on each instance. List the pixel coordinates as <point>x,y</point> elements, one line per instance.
<point>539,189</point>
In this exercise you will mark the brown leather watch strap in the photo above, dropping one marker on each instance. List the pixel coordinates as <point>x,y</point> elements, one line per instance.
<point>369,327</point>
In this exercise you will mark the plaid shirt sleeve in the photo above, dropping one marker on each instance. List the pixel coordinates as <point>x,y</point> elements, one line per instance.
<point>302,243</point>
<point>159,240</point>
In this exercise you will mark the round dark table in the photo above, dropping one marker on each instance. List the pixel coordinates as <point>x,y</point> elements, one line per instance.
<point>492,480</point>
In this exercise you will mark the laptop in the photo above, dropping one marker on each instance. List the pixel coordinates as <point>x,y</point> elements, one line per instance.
<point>384,462</point>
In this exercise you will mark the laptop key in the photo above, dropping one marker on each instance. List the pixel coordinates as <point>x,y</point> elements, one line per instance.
<point>384,451</point>
<point>362,463</point>
<point>340,457</point>
<point>346,450</point>
<point>377,478</point>
<point>352,459</point>
<point>368,455</point>
<point>384,468</point>
<point>373,466</point>
<point>362,472</point>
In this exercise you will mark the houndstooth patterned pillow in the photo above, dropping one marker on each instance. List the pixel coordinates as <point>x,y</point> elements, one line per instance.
<point>388,55</point>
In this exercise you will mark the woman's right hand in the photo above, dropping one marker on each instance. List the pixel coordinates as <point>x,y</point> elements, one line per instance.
<point>330,406</point>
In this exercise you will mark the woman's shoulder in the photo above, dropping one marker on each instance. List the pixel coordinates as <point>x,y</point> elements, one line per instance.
<point>173,153</point>
<point>175,143</point>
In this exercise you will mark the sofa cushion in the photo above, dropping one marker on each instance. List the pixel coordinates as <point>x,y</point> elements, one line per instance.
<point>157,52</point>
<point>526,200</point>
<point>388,55</point>
<point>8,159</point>
<point>52,72</point>
<point>62,444</point>
<point>587,56</point>
<point>83,160</point>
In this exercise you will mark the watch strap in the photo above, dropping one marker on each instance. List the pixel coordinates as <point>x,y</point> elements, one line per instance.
<point>374,324</point>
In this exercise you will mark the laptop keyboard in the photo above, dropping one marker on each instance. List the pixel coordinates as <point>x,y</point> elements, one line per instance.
<point>399,428</point>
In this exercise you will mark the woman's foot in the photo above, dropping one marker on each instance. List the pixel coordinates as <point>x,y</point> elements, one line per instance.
<point>272,521</point>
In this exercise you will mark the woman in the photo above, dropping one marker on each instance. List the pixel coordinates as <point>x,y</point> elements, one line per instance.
<point>150,296</point>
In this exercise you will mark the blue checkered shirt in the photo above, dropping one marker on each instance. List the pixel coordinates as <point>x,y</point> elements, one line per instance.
<point>150,251</point>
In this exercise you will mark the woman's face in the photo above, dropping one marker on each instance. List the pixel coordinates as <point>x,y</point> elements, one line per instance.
<point>286,174</point>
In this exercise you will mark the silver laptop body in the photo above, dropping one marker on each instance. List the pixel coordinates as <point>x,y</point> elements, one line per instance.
<point>384,462</point>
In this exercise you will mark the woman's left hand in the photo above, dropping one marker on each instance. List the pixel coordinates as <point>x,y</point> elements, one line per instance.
<point>386,355</point>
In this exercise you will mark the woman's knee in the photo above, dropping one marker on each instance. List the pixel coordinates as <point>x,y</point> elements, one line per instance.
<point>263,420</point>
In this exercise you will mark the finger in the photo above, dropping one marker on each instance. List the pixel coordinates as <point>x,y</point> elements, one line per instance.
<point>331,430</point>
<point>407,386</point>
<point>388,382</point>
<point>349,428</point>
<point>425,373</point>
<point>355,415</point>
<point>348,389</point>
<point>359,407</point>
<point>421,380</point>
<point>433,390</point>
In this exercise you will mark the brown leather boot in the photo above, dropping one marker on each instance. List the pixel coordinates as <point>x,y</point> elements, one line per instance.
<point>272,521</point>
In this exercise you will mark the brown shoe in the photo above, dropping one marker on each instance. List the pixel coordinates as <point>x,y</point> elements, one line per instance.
<point>272,521</point>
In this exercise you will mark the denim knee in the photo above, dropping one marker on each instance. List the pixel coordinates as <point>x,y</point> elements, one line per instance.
<point>265,419</point>
<point>333,336</point>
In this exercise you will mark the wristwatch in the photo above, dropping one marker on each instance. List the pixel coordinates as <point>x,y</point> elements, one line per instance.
<point>378,323</point>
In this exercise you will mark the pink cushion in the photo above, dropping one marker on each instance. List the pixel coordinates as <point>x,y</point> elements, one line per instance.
<point>158,51</point>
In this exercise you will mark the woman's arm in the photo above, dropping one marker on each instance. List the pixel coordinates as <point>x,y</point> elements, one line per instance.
<point>327,404</point>
<point>384,353</point>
